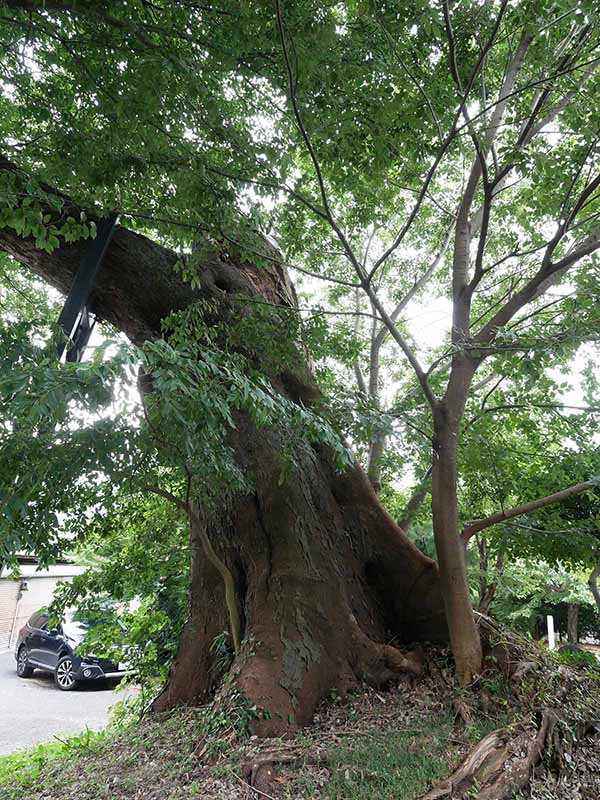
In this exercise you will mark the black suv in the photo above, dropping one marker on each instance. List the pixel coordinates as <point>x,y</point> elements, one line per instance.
<point>55,651</point>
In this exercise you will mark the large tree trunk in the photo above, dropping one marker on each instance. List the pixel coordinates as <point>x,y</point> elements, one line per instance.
<point>324,577</point>
<point>324,580</point>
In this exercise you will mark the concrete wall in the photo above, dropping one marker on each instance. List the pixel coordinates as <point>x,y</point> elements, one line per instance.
<point>17,605</point>
<point>9,593</point>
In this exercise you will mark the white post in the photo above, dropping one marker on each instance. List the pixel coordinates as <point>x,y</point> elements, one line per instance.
<point>551,638</point>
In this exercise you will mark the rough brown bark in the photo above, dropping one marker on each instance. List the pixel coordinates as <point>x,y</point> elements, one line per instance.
<point>324,578</point>
<point>573,623</point>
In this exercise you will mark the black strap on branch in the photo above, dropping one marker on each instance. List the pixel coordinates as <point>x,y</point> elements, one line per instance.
<point>76,320</point>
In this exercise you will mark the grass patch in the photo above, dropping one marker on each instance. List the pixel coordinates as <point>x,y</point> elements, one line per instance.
<point>19,771</point>
<point>390,764</point>
<point>370,746</point>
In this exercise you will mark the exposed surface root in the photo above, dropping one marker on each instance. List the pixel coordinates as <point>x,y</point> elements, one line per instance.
<point>559,707</point>
<point>463,710</point>
<point>396,661</point>
<point>261,775</point>
<point>377,664</point>
<point>579,779</point>
<point>500,764</point>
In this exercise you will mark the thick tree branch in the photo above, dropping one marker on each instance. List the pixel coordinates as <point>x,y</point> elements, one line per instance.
<point>461,290</point>
<point>172,498</point>
<point>565,62</point>
<point>500,516</point>
<point>531,85</point>
<point>529,131</point>
<point>138,284</point>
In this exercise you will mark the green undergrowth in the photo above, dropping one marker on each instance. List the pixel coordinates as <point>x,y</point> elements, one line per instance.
<point>201,752</point>
<point>375,745</point>
<point>394,744</point>
<point>156,759</point>
<point>18,771</point>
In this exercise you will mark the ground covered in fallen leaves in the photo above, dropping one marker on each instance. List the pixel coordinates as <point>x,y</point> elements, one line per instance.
<point>380,745</point>
<point>578,780</point>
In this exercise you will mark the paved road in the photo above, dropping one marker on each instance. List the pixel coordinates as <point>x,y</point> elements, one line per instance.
<point>34,710</point>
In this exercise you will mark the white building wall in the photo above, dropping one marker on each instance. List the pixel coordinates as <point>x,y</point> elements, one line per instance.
<point>9,593</point>
<point>39,593</point>
<point>16,606</point>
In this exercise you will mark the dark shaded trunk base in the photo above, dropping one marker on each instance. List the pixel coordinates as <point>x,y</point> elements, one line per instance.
<point>326,581</point>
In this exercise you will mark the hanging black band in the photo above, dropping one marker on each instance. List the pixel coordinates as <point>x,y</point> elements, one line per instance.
<point>75,318</point>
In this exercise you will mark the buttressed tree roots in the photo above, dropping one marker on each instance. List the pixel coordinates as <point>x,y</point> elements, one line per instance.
<point>324,578</point>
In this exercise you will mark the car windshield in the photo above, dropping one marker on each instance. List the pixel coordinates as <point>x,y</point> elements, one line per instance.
<point>75,630</point>
<point>76,627</point>
<point>77,624</point>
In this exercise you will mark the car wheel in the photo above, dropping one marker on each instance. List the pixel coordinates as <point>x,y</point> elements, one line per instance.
<point>23,668</point>
<point>63,674</point>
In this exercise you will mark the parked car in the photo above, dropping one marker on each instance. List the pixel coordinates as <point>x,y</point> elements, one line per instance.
<point>55,650</point>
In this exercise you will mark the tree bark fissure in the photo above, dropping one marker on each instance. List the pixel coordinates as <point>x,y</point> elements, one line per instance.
<point>322,597</point>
